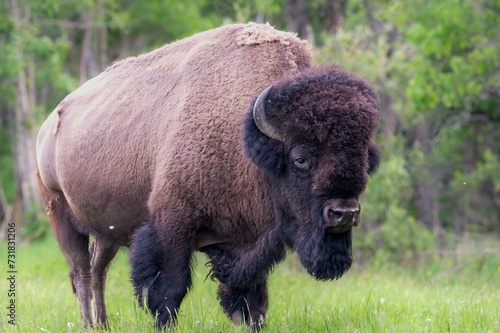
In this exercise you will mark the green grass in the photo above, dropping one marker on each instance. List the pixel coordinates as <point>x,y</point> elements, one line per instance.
<point>442,297</point>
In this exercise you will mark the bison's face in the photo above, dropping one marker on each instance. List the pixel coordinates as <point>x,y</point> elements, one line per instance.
<point>311,135</point>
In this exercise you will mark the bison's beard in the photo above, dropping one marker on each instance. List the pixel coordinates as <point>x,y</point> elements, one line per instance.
<point>325,255</point>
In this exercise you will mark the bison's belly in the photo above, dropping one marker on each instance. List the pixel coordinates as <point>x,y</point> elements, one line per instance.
<point>108,197</point>
<point>113,217</point>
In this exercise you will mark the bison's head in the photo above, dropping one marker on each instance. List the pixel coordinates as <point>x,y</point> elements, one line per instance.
<point>311,135</point>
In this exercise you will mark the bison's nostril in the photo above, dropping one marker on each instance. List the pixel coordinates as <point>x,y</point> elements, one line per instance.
<point>335,215</point>
<point>340,215</point>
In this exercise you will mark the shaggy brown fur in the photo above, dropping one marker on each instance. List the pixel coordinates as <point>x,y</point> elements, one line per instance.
<point>149,154</point>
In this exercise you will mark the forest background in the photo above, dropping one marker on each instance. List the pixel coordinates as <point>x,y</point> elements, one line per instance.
<point>435,65</point>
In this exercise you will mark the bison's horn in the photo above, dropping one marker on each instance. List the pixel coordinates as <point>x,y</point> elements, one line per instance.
<point>260,119</point>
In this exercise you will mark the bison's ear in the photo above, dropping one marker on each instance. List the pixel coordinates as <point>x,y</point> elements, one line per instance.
<point>263,151</point>
<point>373,158</point>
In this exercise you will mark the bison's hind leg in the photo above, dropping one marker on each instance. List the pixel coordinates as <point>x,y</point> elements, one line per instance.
<point>74,244</point>
<point>103,252</point>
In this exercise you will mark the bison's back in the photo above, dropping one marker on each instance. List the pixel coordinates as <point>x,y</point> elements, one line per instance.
<point>164,125</point>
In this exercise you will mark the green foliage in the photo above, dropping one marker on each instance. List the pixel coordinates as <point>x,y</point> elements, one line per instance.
<point>457,52</point>
<point>29,47</point>
<point>245,11</point>
<point>390,233</point>
<point>483,177</point>
<point>38,228</point>
<point>6,167</point>
<point>364,52</point>
<point>9,62</point>
<point>162,21</point>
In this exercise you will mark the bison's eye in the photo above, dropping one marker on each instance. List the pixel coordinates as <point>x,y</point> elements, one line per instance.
<point>302,163</point>
<point>301,158</point>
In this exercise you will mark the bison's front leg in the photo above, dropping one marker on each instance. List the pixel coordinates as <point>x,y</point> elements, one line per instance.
<point>241,266</point>
<point>245,304</point>
<point>161,271</point>
<point>243,271</point>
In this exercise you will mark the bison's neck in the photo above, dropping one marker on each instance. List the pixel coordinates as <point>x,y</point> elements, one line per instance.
<point>245,203</point>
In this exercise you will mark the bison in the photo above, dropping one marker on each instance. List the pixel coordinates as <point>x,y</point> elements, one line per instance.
<point>229,142</point>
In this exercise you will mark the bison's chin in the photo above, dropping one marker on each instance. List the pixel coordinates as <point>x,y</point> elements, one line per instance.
<point>325,255</point>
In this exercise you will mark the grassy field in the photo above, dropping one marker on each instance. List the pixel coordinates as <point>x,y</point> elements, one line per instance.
<point>442,297</point>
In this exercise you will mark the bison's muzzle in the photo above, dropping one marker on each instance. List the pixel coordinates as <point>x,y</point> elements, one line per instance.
<point>341,215</point>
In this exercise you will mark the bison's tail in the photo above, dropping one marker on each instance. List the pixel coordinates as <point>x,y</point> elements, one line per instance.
<point>61,217</point>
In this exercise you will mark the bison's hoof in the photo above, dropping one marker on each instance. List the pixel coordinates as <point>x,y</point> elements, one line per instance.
<point>255,325</point>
